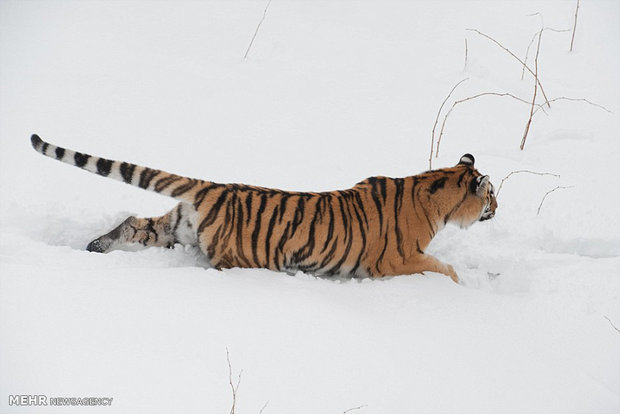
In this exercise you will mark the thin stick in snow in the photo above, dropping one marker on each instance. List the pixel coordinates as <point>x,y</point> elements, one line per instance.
<point>612,324</point>
<point>564,98</point>
<point>234,388</point>
<point>572,40</point>
<point>354,408</point>
<point>264,406</point>
<point>430,158</point>
<point>516,57</point>
<point>256,31</point>
<point>527,52</point>
<point>519,172</point>
<point>465,64</point>
<point>549,192</point>
<point>529,121</point>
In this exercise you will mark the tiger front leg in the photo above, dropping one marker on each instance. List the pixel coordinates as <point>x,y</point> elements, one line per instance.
<point>423,262</point>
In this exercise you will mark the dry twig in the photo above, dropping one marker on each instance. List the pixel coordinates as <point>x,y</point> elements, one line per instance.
<point>529,121</point>
<point>527,52</point>
<point>612,324</point>
<point>547,193</point>
<point>519,172</point>
<point>256,31</point>
<point>264,406</point>
<point>430,158</point>
<point>574,27</point>
<point>234,388</point>
<point>465,64</point>
<point>564,98</point>
<point>516,57</point>
<point>354,408</point>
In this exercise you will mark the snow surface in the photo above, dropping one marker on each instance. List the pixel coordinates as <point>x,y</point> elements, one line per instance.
<point>331,93</point>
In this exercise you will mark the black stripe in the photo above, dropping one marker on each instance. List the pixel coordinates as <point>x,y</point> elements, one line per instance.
<point>184,188</point>
<point>104,167</point>
<point>398,201</point>
<point>212,246</point>
<point>417,246</point>
<point>164,182</point>
<point>212,215</point>
<point>360,204</point>
<point>151,228</point>
<point>200,195</point>
<point>179,216</point>
<point>60,152</point>
<point>229,218</point>
<point>348,233</point>
<point>239,240</point>
<point>299,214</point>
<point>261,209</point>
<point>363,234</point>
<point>330,254</point>
<point>127,172</point>
<point>248,205</point>
<point>306,250</point>
<point>437,184</point>
<point>283,201</point>
<point>382,252</point>
<point>281,243</point>
<point>382,186</point>
<point>375,197</point>
<point>80,159</point>
<point>44,148</point>
<point>330,228</point>
<point>146,176</point>
<point>272,223</point>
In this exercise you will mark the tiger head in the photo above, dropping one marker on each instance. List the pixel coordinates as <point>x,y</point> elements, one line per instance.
<point>479,204</point>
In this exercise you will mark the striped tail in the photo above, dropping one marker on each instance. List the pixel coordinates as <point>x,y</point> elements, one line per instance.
<point>176,186</point>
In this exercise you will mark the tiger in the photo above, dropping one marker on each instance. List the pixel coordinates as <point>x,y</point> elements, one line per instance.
<point>379,227</point>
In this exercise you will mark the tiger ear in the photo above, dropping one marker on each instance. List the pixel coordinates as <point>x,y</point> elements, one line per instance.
<point>467,159</point>
<point>479,184</point>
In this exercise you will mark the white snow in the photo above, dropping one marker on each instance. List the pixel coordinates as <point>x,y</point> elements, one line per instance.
<point>331,93</point>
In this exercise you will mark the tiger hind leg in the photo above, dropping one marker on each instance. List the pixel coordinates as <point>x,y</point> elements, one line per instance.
<point>176,226</point>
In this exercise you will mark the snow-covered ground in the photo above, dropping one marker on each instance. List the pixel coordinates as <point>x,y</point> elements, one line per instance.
<point>331,93</point>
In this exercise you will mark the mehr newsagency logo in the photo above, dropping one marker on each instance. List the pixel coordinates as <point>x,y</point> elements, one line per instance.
<point>44,400</point>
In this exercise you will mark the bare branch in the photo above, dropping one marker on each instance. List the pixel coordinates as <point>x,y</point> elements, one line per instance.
<point>264,406</point>
<point>430,158</point>
<point>516,57</point>
<point>612,324</point>
<point>443,124</point>
<point>256,31</point>
<point>465,64</point>
<point>354,408</point>
<point>564,98</point>
<point>519,172</point>
<point>572,40</point>
<point>529,121</point>
<point>234,388</point>
<point>549,192</point>
<point>527,52</point>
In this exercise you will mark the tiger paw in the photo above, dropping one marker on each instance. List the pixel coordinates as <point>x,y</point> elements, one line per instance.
<point>98,246</point>
<point>452,273</point>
